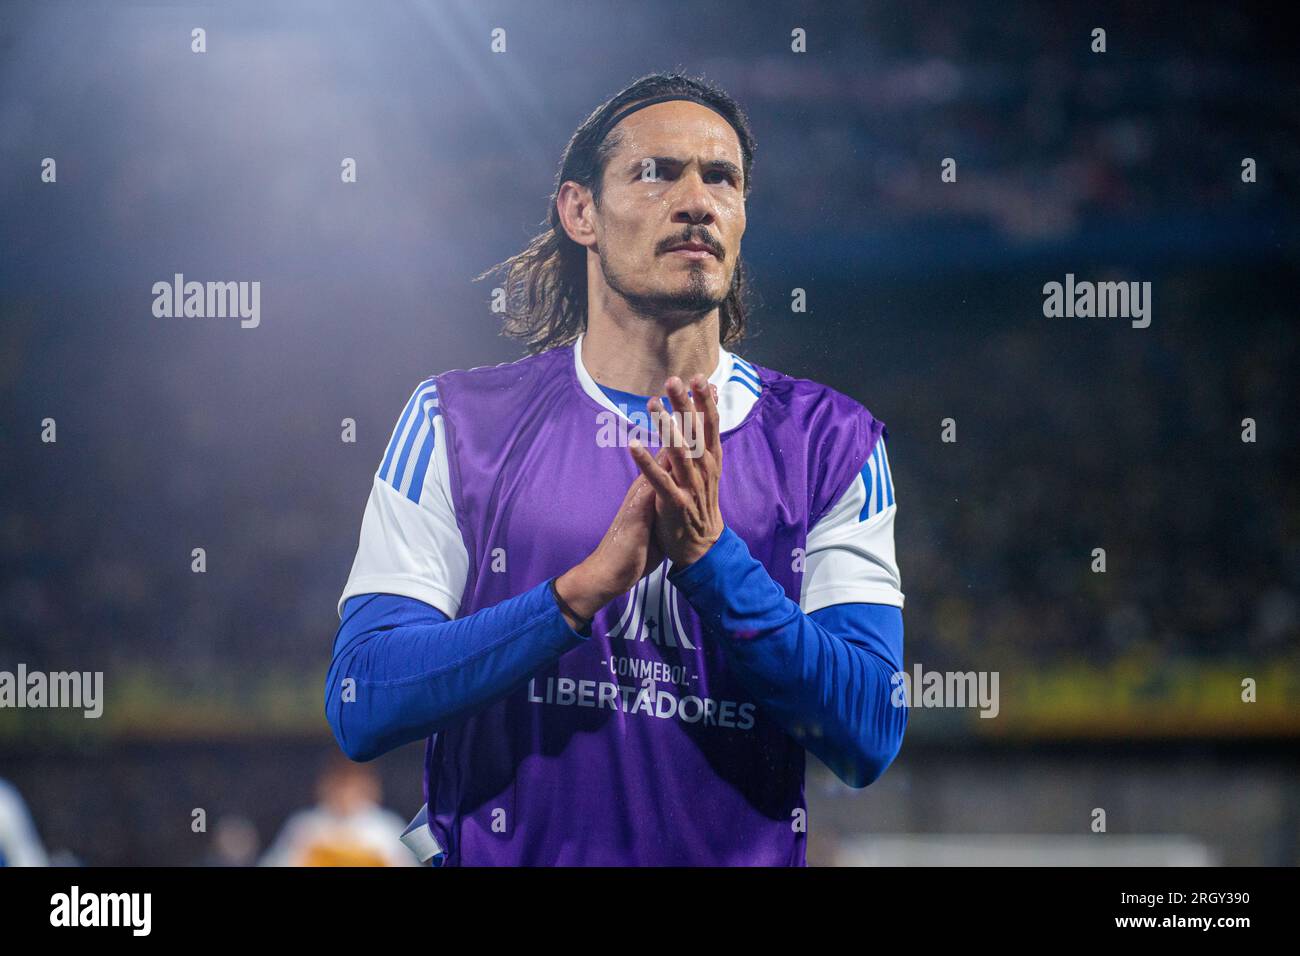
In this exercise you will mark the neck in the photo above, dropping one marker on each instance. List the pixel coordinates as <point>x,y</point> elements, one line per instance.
<point>636,354</point>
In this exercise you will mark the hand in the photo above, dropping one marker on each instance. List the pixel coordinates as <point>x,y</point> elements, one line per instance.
<point>626,554</point>
<point>685,475</point>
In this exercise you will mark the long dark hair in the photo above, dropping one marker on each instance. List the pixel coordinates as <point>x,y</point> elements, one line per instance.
<point>546,283</point>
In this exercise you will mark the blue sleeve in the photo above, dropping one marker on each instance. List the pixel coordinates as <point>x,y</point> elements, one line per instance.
<point>414,672</point>
<point>826,676</point>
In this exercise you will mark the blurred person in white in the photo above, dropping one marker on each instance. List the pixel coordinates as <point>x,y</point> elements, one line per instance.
<point>19,844</point>
<point>234,842</point>
<point>347,827</point>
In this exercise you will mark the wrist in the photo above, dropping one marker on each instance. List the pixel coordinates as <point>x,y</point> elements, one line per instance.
<point>696,550</point>
<point>572,618</point>
<point>580,593</point>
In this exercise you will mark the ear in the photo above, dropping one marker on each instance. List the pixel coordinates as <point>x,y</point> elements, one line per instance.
<point>577,212</point>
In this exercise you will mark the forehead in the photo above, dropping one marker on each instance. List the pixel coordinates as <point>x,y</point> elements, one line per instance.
<point>680,129</point>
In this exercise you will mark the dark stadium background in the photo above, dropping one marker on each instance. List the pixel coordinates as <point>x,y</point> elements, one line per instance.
<point>1118,690</point>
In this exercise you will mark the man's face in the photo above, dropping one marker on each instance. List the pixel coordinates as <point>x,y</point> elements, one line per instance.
<point>347,793</point>
<point>674,178</point>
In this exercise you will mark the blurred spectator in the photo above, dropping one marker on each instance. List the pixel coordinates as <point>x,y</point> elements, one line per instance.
<point>234,842</point>
<point>19,844</point>
<point>347,827</point>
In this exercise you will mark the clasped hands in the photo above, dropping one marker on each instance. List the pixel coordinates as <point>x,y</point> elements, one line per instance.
<point>670,510</point>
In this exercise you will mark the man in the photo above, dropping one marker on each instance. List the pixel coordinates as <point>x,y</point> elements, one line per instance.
<point>348,826</point>
<point>620,654</point>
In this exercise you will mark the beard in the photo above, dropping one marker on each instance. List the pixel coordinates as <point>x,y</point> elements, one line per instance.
<point>689,302</point>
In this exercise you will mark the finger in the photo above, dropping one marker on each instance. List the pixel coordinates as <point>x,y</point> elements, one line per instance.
<point>661,418</point>
<point>654,473</point>
<point>683,469</point>
<point>665,462</point>
<point>706,400</point>
<point>665,430</point>
<point>701,394</point>
<point>676,390</point>
<point>691,422</point>
<point>656,410</point>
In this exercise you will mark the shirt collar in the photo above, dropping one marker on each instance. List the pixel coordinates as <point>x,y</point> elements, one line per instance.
<point>736,395</point>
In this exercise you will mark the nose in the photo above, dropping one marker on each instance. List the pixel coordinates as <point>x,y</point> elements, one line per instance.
<point>692,203</point>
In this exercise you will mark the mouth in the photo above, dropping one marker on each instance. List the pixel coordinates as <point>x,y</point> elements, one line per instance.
<point>692,250</point>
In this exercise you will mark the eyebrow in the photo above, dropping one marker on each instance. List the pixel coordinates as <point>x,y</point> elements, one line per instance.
<point>672,162</point>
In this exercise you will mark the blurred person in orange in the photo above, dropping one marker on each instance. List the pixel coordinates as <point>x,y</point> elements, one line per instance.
<point>347,827</point>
